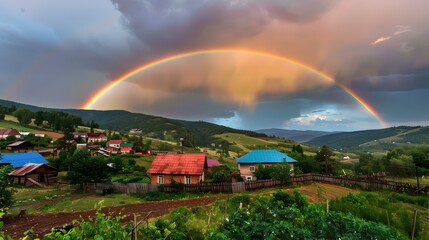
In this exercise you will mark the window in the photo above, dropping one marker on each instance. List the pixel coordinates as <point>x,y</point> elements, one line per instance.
<point>248,178</point>
<point>252,168</point>
<point>187,179</point>
<point>160,179</point>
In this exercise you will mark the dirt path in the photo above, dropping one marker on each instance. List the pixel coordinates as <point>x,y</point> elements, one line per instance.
<point>43,223</point>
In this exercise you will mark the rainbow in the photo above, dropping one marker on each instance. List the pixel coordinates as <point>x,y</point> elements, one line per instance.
<point>104,90</point>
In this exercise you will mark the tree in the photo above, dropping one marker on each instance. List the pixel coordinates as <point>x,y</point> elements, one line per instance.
<point>116,136</point>
<point>324,156</point>
<point>23,115</point>
<point>298,148</point>
<point>6,192</point>
<point>92,125</point>
<point>39,118</point>
<point>276,171</point>
<point>84,168</point>
<point>148,144</point>
<point>307,164</point>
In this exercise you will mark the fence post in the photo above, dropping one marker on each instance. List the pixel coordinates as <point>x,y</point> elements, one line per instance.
<point>414,224</point>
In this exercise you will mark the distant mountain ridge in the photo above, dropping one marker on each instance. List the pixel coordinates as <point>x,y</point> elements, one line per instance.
<point>378,139</point>
<point>296,135</point>
<point>198,132</point>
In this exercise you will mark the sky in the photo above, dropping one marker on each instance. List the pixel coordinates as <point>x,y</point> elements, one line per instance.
<point>305,64</point>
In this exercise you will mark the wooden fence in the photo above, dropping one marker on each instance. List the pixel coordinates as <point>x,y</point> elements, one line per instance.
<point>363,182</point>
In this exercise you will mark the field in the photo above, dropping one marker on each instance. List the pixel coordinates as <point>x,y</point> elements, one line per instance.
<point>20,128</point>
<point>58,207</point>
<point>247,143</point>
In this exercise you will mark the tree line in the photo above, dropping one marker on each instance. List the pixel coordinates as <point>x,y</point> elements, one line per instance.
<point>55,120</point>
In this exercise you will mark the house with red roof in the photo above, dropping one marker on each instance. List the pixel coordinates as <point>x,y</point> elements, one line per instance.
<point>4,133</point>
<point>184,168</point>
<point>114,143</point>
<point>96,137</point>
<point>34,174</point>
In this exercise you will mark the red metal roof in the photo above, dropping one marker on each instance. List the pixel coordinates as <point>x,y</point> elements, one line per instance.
<point>9,132</point>
<point>114,142</point>
<point>96,135</point>
<point>26,169</point>
<point>15,144</point>
<point>178,164</point>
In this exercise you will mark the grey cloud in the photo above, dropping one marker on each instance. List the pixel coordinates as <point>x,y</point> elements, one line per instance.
<point>177,25</point>
<point>394,82</point>
<point>399,64</point>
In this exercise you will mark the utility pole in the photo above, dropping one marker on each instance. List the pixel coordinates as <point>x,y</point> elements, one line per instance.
<point>181,143</point>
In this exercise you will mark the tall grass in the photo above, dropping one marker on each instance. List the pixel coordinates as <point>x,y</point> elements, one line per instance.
<point>386,208</point>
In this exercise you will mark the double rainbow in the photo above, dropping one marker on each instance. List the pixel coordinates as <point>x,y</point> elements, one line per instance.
<point>104,90</point>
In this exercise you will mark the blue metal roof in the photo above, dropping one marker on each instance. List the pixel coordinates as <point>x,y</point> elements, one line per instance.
<point>20,159</point>
<point>265,156</point>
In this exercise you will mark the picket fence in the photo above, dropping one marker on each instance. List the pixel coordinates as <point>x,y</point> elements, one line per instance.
<point>362,182</point>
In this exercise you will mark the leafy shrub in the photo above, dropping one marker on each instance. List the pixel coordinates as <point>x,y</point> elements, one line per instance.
<point>6,192</point>
<point>234,202</point>
<point>284,197</point>
<point>277,221</point>
<point>300,200</point>
<point>417,200</point>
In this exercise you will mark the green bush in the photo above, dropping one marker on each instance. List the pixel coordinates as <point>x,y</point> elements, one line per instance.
<point>234,202</point>
<point>6,199</point>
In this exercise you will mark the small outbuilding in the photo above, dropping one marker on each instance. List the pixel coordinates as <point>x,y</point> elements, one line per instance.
<point>34,174</point>
<point>20,146</point>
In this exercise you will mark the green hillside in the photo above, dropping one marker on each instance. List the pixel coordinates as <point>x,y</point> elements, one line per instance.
<point>17,126</point>
<point>375,140</point>
<point>196,132</point>
<point>246,143</point>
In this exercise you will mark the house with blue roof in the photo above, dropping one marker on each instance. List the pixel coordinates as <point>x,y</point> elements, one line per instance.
<point>248,163</point>
<point>20,159</point>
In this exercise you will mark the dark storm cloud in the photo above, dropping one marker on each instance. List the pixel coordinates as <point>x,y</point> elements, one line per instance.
<point>178,25</point>
<point>394,82</point>
<point>397,64</point>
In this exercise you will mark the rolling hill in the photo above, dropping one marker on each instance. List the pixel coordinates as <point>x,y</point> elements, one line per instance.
<point>375,140</point>
<point>296,135</point>
<point>198,132</point>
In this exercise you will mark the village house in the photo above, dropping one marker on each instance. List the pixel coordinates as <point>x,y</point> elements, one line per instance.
<point>4,133</point>
<point>136,131</point>
<point>81,135</point>
<point>96,137</point>
<point>34,174</point>
<point>248,163</point>
<point>20,159</point>
<point>126,148</point>
<point>185,168</point>
<point>20,146</point>
<point>114,144</point>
